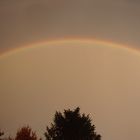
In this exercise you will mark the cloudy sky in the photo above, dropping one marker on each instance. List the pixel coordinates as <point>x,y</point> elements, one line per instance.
<point>28,21</point>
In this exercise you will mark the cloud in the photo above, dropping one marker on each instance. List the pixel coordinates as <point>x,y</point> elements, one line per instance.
<point>23,22</point>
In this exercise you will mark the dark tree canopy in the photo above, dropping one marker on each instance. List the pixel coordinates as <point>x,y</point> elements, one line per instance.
<point>71,125</point>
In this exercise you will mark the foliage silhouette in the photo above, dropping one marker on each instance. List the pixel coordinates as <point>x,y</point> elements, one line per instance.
<point>71,126</point>
<point>1,134</point>
<point>25,133</point>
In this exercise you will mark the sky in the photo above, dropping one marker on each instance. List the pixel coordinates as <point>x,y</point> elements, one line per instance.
<point>102,79</point>
<point>29,21</point>
<point>53,75</point>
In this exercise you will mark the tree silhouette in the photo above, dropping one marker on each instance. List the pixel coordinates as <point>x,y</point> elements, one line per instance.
<point>26,133</point>
<point>71,126</point>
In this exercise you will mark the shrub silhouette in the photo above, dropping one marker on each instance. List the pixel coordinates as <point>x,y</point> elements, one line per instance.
<point>25,133</point>
<point>1,134</point>
<point>71,126</point>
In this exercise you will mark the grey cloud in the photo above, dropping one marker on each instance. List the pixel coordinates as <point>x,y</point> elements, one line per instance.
<point>23,22</point>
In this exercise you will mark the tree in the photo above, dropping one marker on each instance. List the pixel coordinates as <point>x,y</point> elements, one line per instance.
<point>26,133</point>
<point>71,126</point>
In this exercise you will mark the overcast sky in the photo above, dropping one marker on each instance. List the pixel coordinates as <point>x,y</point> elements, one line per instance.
<point>26,21</point>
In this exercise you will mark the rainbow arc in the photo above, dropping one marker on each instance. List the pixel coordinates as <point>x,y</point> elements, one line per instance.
<point>69,41</point>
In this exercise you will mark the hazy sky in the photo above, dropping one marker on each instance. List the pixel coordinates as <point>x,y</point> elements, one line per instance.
<point>37,81</point>
<point>102,80</point>
<point>26,21</point>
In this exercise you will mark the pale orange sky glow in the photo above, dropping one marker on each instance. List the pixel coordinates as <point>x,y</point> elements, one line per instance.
<point>103,79</point>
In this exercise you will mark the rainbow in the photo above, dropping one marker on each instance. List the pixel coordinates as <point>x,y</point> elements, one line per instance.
<point>69,40</point>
